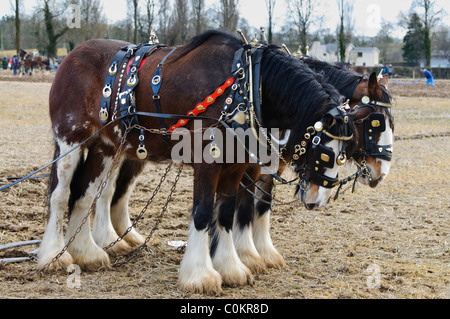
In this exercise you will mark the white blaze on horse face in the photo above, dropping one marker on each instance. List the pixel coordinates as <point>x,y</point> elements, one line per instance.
<point>318,195</point>
<point>386,138</point>
<point>379,168</point>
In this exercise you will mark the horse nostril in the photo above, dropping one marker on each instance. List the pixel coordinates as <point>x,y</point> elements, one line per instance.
<point>311,206</point>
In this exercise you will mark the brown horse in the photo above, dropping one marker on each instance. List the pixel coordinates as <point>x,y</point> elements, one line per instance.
<point>293,99</point>
<point>252,230</point>
<point>29,62</point>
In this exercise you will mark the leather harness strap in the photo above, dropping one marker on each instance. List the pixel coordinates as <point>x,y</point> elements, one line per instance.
<point>156,85</point>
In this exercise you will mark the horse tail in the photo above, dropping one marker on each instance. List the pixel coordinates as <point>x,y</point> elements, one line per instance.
<point>53,178</point>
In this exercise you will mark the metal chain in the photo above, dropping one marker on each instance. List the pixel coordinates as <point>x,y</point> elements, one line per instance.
<point>158,221</point>
<point>91,209</point>
<point>163,178</point>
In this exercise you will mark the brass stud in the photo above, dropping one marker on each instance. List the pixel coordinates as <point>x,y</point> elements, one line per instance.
<point>325,158</point>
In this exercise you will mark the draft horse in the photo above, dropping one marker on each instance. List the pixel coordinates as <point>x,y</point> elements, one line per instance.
<point>370,106</point>
<point>292,98</point>
<point>29,62</point>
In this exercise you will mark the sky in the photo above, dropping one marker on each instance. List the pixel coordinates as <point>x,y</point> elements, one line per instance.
<point>367,13</point>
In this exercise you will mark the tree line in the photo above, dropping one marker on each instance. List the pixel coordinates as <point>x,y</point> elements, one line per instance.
<point>176,21</point>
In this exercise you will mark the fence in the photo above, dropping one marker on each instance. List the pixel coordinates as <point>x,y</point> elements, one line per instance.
<point>402,71</point>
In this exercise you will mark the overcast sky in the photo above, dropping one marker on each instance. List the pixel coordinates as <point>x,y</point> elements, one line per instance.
<point>367,13</point>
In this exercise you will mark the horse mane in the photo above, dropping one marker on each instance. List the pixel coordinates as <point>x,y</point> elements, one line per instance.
<point>303,91</point>
<point>302,95</point>
<point>345,81</point>
<point>214,36</point>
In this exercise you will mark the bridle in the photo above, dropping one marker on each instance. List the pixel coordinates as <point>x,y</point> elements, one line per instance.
<point>372,125</point>
<point>247,114</point>
<point>323,156</point>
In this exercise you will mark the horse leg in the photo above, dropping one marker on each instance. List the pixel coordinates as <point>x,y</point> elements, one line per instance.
<point>243,229</point>
<point>103,230</point>
<point>224,255</point>
<point>62,173</point>
<point>261,226</point>
<point>197,273</point>
<point>85,252</point>
<point>126,180</point>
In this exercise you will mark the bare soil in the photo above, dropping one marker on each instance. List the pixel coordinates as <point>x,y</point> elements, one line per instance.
<point>398,232</point>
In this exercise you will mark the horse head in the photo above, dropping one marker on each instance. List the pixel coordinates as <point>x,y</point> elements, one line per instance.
<point>375,126</point>
<point>321,133</point>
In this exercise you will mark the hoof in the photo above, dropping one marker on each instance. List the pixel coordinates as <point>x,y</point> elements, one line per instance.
<point>45,262</point>
<point>254,262</point>
<point>273,259</point>
<point>92,260</point>
<point>207,282</point>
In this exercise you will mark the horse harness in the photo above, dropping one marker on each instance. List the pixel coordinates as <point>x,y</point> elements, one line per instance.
<point>133,56</point>
<point>373,124</point>
<point>242,107</point>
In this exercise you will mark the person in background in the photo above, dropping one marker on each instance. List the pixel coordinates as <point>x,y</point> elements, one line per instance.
<point>5,63</point>
<point>390,70</point>
<point>429,76</point>
<point>15,64</point>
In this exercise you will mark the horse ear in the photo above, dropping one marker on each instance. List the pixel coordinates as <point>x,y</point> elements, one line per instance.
<point>374,88</point>
<point>385,80</point>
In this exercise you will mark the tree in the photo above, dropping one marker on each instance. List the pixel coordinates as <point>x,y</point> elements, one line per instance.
<point>17,23</point>
<point>384,40</point>
<point>52,35</point>
<point>270,4</point>
<point>303,12</point>
<point>441,40</point>
<point>181,19</point>
<point>413,50</point>
<point>345,18</point>
<point>163,15</point>
<point>198,10</point>
<point>229,14</point>
<point>430,18</point>
<point>135,20</point>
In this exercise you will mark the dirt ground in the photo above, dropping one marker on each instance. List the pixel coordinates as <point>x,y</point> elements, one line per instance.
<point>398,233</point>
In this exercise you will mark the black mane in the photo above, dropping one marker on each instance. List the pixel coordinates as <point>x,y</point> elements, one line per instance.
<point>294,96</point>
<point>300,92</point>
<point>345,81</point>
<point>216,36</point>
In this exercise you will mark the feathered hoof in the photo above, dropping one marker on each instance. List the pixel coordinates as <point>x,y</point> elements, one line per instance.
<point>134,239</point>
<point>45,262</point>
<point>254,262</point>
<point>207,282</point>
<point>93,261</point>
<point>240,276</point>
<point>273,259</point>
<point>120,248</point>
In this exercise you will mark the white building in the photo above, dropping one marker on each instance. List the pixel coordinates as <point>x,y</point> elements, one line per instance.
<point>439,59</point>
<point>358,56</point>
